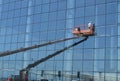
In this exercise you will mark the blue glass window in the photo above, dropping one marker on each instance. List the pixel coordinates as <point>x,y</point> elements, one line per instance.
<point>114,41</point>
<point>88,54</point>
<point>90,2</point>
<point>62,5</point>
<point>24,11</point>
<point>38,9</point>
<point>36,27</point>
<point>111,19</point>
<point>17,5</point>
<point>90,11</point>
<point>118,70</point>
<point>110,66</point>
<point>11,6</point>
<point>59,65</point>
<point>53,7</point>
<point>99,54</point>
<point>79,22</point>
<point>2,39</point>
<point>45,8</point>
<point>53,0</point>
<point>100,9</point>
<point>61,15</point>
<point>52,16</point>
<point>108,41</point>
<point>19,64</point>
<point>44,17</point>
<point>100,20</point>
<point>12,64</point>
<point>100,1</point>
<point>45,1</point>
<point>49,65</point>
<point>5,64</point>
<point>111,7</point>
<point>100,42</point>
<point>79,12</point>
<point>17,13</point>
<point>61,24</point>
<point>5,7</point>
<point>118,41</point>
<point>90,43</point>
<point>35,36</point>
<point>60,34</point>
<point>0,1</point>
<point>9,22</point>
<point>118,7</point>
<point>111,54</point>
<point>88,65</point>
<point>77,65</point>
<point>111,0</point>
<point>25,3</point>
<point>16,21</point>
<point>52,26</point>
<point>99,66</point>
<point>44,27</point>
<point>51,35</point>
<point>43,35</point>
<point>111,30</point>
<point>39,17</point>
<point>80,3</point>
<point>11,14</point>
<point>78,54</point>
<point>99,29</point>
<point>37,2</point>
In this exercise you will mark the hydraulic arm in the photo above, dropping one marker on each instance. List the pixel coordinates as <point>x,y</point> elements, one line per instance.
<point>34,46</point>
<point>23,73</point>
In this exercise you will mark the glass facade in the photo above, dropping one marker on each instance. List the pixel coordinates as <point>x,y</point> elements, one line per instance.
<point>25,23</point>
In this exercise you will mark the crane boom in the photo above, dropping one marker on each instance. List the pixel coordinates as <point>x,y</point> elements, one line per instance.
<point>34,46</point>
<point>52,55</point>
<point>25,71</point>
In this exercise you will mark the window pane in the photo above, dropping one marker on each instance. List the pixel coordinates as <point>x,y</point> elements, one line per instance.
<point>61,15</point>
<point>90,11</point>
<point>100,1</point>
<point>77,65</point>
<point>99,54</point>
<point>62,5</point>
<point>90,2</point>
<point>99,29</point>
<point>110,66</point>
<point>99,66</point>
<point>79,12</point>
<point>111,7</point>
<point>78,54</point>
<point>80,3</point>
<point>100,20</point>
<point>100,42</point>
<point>100,9</point>
<point>53,7</point>
<point>111,54</point>
<point>88,54</point>
<point>111,0</point>
<point>111,19</point>
<point>88,65</point>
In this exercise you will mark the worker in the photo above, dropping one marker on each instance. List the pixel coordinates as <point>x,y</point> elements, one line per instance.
<point>90,24</point>
<point>77,28</point>
<point>8,79</point>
